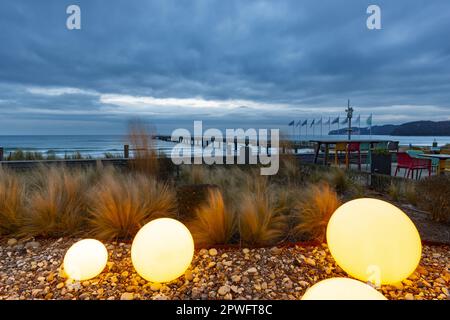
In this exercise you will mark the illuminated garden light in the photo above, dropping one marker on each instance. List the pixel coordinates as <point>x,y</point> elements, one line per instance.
<point>162,250</point>
<point>342,289</point>
<point>85,259</point>
<point>372,240</point>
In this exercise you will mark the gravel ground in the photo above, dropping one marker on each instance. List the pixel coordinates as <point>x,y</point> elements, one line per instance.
<point>31,270</point>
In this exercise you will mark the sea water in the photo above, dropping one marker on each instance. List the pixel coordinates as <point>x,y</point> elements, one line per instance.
<point>97,145</point>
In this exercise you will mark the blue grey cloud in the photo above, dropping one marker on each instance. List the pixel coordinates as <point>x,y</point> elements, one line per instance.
<point>252,63</point>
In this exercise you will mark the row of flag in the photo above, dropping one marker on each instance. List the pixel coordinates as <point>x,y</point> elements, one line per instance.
<point>335,121</point>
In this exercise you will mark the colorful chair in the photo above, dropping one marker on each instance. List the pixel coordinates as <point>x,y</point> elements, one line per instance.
<point>410,164</point>
<point>353,147</point>
<point>365,147</point>
<point>416,154</point>
<point>339,147</point>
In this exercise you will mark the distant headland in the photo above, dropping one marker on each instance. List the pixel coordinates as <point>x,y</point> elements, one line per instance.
<point>416,128</point>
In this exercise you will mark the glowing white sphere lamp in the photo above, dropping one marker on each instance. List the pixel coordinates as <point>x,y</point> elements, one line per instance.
<point>162,250</point>
<point>342,289</point>
<point>85,259</point>
<point>372,240</point>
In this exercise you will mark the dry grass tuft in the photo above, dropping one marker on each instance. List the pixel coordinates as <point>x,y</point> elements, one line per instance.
<point>261,214</point>
<point>12,202</point>
<point>145,159</point>
<point>213,222</point>
<point>194,174</point>
<point>394,191</point>
<point>435,196</point>
<point>122,204</point>
<point>314,211</point>
<point>57,204</point>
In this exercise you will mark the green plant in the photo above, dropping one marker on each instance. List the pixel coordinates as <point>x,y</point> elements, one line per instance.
<point>214,223</point>
<point>314,210</point>
<point>434,196</point>
<point>12,202</point>
<point>20,155</point>
<point>380,151</point>
<point>51,155</point>
<point>122,203</point>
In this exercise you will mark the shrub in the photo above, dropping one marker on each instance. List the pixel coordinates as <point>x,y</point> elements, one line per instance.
<point>57,204</point>
<point>340,181</point>
<point>290,170</point>
<point>314,211</point>
<point>213,222</point>
<point>194,174</point>
<point>435,196</point>
<point>410,193</point>
<point>394,191</point>
<point>20,155</point>
<point>122,204</point>
<point>12,202</point>
<point>261,215</point>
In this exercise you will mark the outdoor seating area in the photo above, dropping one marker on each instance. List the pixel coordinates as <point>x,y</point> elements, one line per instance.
<point>383,157</point>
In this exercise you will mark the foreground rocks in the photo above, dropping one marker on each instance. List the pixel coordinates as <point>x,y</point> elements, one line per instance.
<point>32,271</point>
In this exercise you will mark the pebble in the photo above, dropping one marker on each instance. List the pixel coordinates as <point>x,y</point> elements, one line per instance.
<point>188,275</point>
<point>12,242</point>
<point>409,296</point>
<point>223,290</point>
<point>310,262</point>
<point>155,286</point>
<point>263,273</point>
<point>127,296</point>
<point>252,270</point>
<point>32,245</point>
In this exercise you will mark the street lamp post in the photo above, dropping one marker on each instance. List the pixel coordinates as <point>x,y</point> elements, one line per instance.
<point>349,111</point>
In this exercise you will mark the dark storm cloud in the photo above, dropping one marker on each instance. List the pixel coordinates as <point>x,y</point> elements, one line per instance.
<point>278,59</point>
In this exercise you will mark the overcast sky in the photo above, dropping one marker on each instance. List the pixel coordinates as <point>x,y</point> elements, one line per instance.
<point>229,63</point>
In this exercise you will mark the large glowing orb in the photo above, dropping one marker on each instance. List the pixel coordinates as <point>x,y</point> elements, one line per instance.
<point>372,240</point>
<point>162,250</point>
<point>85,259</point>
<point>342,289</point>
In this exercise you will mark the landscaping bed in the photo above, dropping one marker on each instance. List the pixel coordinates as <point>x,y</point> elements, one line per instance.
<point>30,269</point>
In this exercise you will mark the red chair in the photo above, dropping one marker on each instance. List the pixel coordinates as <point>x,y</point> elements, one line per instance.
<point>354,147</point>
<point>410,164</point>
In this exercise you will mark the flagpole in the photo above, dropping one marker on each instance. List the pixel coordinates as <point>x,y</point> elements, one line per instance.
<point>329,125</point>
<point>359,126</point>
<point>293,131</point>
<point>321,126</point>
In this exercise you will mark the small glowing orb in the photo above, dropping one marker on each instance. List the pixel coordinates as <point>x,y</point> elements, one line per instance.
<point>162,250</point>
<point>342,289</point>
<point>85,259</point>
<point>372,240</point>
